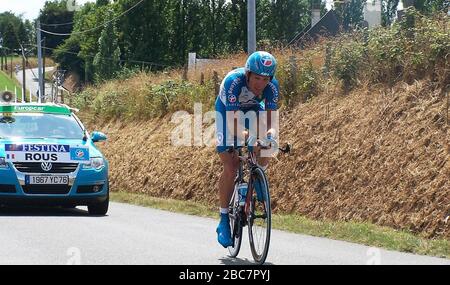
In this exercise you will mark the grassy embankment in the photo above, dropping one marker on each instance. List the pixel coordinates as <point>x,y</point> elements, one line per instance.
<point>374,185</point>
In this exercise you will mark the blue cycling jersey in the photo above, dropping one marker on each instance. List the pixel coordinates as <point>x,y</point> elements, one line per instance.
<point>235,95</point>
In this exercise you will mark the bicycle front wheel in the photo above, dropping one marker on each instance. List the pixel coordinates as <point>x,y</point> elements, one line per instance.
<point>260,216</point>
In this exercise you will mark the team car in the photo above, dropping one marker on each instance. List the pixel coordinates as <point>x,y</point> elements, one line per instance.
<point>47,157</point>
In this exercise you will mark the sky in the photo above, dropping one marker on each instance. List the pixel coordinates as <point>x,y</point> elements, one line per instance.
<point>29,8</point>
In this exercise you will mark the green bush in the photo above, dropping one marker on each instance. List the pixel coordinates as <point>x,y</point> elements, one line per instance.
<point>385,53</point>
<point>286,75</point>
<point>432,41</point>
<point>148,101</point>
<point>126,73</point>
<point>409,49</point>
<point>308,80</point>
<point>347,60</point>
<point>299,78</point>
<point>82,100</point>
<point>111,103</point>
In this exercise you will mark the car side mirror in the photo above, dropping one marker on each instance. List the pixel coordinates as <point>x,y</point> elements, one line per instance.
<point>98,137</point>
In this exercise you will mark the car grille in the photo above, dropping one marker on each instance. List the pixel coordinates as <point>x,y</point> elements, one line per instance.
<point>35,167</point>
<point>7,188</point>
<point>46,189</point>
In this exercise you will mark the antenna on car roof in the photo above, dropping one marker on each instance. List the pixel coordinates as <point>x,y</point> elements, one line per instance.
<point>68,107</point>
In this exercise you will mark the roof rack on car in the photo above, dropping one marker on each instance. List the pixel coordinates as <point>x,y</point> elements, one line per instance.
<point>7,97</point>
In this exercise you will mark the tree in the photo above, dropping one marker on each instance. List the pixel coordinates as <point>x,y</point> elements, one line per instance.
<point>67,55</point>
<point>145,31</point>
<point>237,25</point>
<point>55,18</point>
<point>30,32</point>
<point>12,31</point>
<point>287,18</point>
<point>263,19</point>
<point>86,23</point>
<point>433,6</point>
<point>158,33</point>
<point>389,10</point>
<point>430,6</point>
<point>350,13</point>
<point>217,27</point>
<point>107,60</point>
<point>102,2</point>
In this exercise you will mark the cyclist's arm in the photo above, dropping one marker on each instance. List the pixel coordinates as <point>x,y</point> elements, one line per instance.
<point>270,130</point>
<point>231,93</point>
<point>272,97</point>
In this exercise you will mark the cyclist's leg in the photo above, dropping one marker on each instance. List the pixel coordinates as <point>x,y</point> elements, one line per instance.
<point>263,161</point>
<point>230,163</point>
<point>226,188</point>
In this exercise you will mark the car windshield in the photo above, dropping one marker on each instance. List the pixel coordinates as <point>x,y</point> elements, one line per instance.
<point>37,125</point>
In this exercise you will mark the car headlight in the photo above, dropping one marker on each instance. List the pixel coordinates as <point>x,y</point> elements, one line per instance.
<point>95,162</point>
<point>3,163</point>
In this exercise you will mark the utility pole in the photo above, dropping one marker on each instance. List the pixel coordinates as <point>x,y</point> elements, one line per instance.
<point>251,26</point>
<point>1,49</point>
<point>5,54</point>
<point>41,78</point>
<point>23,76</point>
<point>11,67</point>
<point>43,65</point>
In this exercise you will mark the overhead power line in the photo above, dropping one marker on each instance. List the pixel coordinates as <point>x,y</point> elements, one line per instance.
<point>93,29</point>
<point>58,24</point>
<point>109,58</point>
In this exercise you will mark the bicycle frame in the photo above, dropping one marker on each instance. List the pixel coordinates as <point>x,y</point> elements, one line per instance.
<point>251,161</point>
<point>246,214</point>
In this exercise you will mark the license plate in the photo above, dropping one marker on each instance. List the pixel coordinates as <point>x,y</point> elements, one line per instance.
<point>50,180</point>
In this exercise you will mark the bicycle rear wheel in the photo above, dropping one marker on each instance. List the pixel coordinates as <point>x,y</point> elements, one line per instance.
<point>260,217</point>
<point>234,212</point>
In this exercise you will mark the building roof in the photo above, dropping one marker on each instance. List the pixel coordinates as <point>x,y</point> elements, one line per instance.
<point>327,26</point>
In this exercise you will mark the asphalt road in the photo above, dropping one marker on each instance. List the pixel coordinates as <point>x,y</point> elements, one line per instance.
<point>137,235</point>
<point>32,82</point>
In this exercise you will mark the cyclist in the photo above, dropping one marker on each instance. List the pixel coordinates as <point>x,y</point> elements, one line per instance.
<point>249,89</point>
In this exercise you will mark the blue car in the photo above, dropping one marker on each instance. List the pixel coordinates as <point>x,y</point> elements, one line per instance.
<point>47,157</point>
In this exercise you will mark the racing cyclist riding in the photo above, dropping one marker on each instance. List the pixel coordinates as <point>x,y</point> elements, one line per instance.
<point>249,89</point>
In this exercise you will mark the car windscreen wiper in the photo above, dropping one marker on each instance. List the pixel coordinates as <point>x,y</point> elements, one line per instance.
<point>7,120</point>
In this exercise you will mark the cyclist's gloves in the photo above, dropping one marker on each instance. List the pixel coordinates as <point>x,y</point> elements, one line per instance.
<point>269,141</point>
<point>251,142</point>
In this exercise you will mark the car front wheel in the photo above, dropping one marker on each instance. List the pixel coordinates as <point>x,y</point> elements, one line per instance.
<point>99,209</point>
